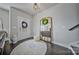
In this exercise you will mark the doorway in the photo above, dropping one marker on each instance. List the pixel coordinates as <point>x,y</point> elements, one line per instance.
<point>46,29</point>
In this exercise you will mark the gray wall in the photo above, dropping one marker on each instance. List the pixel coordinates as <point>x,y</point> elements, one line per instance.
<point>64,17</point>
<point>78,14</point>
<point>4,16</point>
<point>77,10</point>
<point>14,12</point>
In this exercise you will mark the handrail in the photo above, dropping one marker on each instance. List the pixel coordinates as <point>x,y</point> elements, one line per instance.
<point>74,27</point>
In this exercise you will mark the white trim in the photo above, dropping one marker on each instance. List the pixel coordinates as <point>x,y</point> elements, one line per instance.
<point>10,25</point>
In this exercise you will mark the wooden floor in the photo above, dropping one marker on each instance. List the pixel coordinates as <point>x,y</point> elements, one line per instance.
<point>76,49</point>
<point>52,49</point>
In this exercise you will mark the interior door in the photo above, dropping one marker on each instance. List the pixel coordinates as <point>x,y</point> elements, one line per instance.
<point>46,29</point>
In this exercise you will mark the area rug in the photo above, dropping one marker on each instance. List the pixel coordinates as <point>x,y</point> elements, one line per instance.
<point>30,47</point>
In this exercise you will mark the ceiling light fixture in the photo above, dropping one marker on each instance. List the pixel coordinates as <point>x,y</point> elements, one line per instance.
<point>35,6</point>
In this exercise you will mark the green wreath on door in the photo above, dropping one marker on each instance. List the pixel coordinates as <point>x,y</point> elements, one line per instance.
<point>44,21</point>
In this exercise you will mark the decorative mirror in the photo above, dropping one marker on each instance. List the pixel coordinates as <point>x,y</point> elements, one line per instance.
<point>24,24</point>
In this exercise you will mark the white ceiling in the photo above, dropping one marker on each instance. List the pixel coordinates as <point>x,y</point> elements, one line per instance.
<point>27,7</point>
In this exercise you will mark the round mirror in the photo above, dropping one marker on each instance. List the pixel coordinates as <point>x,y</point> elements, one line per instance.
<point>24,24</point>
